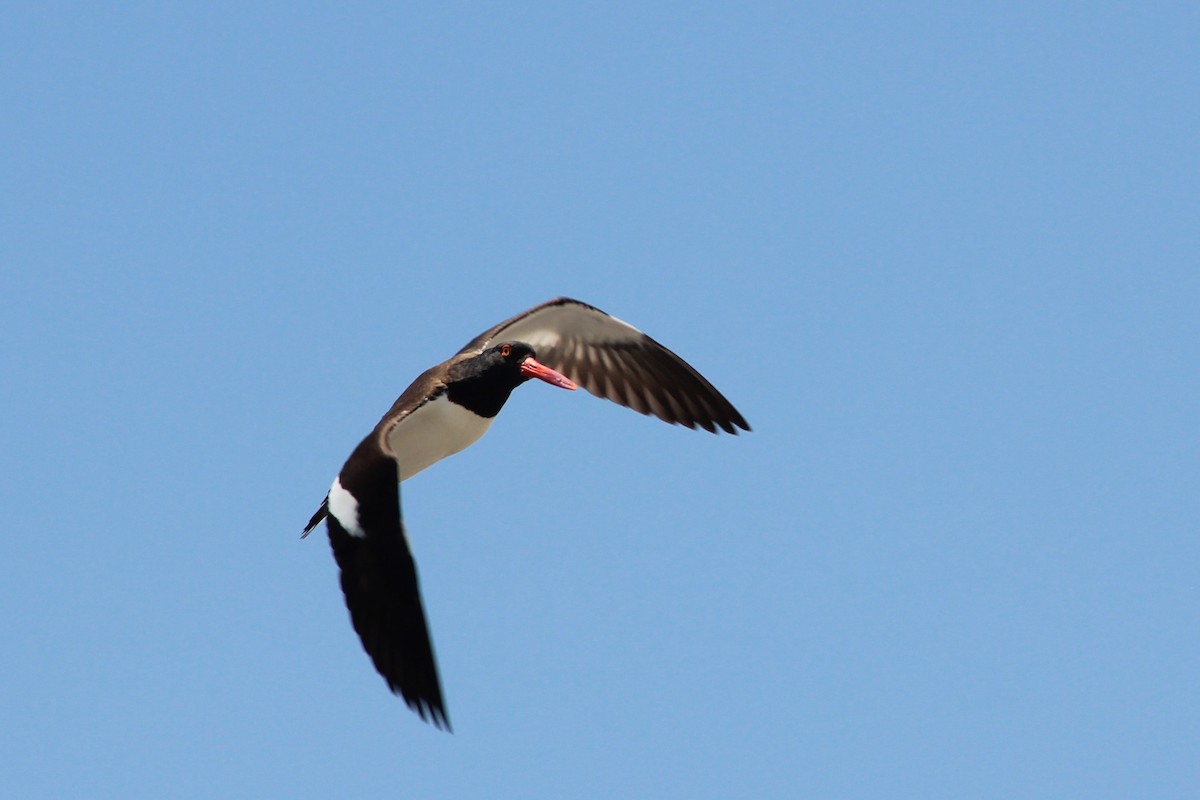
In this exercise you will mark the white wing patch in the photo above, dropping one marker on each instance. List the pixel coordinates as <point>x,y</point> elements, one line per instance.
<point>344,508</point>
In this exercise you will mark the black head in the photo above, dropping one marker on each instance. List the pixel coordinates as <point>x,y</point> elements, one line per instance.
<point>507,358</point>
<point>483,383</point>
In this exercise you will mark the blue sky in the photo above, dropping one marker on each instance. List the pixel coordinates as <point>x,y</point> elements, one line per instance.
<point>942,256</point>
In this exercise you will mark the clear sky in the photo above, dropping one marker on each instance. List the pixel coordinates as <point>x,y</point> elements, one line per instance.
<point>943,256</point>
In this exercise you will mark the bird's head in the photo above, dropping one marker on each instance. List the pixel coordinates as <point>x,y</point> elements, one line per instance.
<point>516,359</point>
<point>483,382</point>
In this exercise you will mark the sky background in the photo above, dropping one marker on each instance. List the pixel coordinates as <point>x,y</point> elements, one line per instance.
<point>942,256</point>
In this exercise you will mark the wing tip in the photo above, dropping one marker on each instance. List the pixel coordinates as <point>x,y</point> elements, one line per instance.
<point>740,422</point>
<point>429,710</point>
<point>714,426</point>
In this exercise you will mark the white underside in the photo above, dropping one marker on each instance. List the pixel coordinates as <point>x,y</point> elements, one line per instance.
<point>344,508</point>
<point>434,431</point>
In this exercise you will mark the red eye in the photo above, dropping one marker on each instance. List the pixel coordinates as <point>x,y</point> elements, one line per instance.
<point>505,350</point>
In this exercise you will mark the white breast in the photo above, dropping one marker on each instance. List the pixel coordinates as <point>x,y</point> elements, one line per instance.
<point>434,431</point>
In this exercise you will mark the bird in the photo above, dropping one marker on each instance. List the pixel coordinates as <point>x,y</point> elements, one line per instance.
<point>564,342</point>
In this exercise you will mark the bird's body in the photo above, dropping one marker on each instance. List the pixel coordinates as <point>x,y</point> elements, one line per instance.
<point>447,409</point>
<point>435,429</point>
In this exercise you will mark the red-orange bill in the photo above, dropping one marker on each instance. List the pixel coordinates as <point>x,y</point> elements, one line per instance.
<point>534,369</point>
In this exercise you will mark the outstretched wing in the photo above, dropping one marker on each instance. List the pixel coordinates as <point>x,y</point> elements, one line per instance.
<point>379,578</point>
<point>614,360</point>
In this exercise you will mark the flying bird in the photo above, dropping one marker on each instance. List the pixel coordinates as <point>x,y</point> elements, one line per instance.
<point>563,342</point>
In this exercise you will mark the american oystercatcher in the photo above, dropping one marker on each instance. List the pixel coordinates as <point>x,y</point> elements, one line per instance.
<point>446,409</point>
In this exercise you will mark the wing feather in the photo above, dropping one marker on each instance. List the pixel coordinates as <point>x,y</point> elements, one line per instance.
<point>379,581</point>
<point>614,360</point>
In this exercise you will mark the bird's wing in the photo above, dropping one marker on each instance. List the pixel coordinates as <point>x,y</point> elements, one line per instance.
<point>425,384</point>
<point>614,360</point>
<point>379,578</point>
